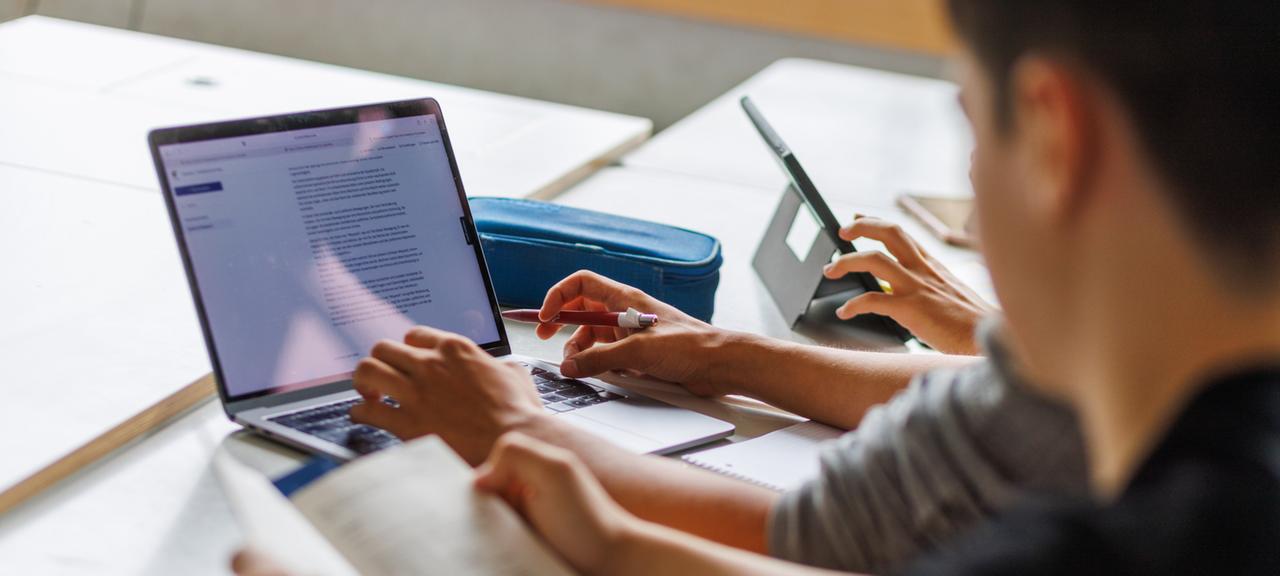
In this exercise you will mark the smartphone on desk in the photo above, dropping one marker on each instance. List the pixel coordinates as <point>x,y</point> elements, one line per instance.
<point>950,219</point>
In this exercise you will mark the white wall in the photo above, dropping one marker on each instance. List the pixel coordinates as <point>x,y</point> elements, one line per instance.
<point>631,62</point>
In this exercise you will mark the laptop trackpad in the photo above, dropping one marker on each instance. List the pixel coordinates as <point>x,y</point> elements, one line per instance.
<point>627,440</point>
<point>662,424</point>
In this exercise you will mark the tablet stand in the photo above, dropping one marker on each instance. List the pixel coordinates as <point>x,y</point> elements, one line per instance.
<point>807,299</point>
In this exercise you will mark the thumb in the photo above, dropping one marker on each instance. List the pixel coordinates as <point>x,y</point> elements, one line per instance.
<point>601,358</point>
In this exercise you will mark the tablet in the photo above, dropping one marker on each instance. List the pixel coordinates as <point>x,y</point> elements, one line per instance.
<point>800,181</point>
<point>804,187</point>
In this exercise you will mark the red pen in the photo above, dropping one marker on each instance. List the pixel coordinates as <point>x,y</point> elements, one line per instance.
<point>632,318</point>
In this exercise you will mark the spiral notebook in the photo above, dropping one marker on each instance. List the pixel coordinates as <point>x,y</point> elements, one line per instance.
<point>780,460</point>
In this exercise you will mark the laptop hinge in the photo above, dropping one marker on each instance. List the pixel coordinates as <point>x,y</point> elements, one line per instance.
<point>268,400</point>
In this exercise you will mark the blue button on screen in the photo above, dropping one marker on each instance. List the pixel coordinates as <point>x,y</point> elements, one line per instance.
<point>197,188</point>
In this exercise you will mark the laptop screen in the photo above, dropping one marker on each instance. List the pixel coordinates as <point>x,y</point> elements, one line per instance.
<point>309,245</point>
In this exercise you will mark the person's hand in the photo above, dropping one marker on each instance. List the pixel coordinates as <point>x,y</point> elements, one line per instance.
<point>249,562</point>
<point>444,384</point>
<point>926,298</point>
<point>556,494</point>
<point>676,350</point>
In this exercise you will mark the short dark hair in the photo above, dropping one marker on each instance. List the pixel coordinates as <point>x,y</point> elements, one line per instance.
<point>1199,78</point>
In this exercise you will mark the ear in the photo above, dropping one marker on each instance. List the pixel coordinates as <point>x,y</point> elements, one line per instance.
<point>1054,125</point>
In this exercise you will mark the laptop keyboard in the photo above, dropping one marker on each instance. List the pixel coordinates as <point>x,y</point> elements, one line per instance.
<point>330,422</point>
<point>562,394</point>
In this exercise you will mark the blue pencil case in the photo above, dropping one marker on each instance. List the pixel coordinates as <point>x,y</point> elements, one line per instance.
<point>532,245</point>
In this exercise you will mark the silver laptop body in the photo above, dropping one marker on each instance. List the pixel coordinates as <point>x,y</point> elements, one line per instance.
<point>307,237</point>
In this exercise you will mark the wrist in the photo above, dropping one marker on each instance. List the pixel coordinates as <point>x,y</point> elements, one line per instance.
<point>626,546</point>
<point>531,423</point>
<point>725,358</point>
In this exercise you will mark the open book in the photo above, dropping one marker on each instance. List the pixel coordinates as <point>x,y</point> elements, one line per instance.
<point>406,510</point>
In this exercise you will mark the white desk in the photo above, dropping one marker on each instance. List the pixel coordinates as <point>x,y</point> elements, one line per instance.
<point>98,321</point>
<point>79,99</point>
<point>94,303</point>
<point>92,256</point>
<point>863,135</point>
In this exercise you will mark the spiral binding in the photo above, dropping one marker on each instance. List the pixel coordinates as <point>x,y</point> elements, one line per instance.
<point>689,459</point>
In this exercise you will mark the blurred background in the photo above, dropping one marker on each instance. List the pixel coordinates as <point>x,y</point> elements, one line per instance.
<point>659,59</point>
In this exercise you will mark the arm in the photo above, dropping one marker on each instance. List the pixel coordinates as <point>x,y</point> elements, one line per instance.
<point>653,549</point>
<point>565,504</point>
<point>830,385</point>
<point>833,386</point>
<point>666,491</point>
<point>446,385</point>
<point>825,384</point>
<point>434,377</point>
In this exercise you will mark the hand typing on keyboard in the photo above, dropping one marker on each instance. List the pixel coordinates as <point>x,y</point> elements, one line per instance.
<point>447,385</point>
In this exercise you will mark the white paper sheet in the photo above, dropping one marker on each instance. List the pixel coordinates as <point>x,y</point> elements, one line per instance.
<point>273,526</point>
<point>413,510</point>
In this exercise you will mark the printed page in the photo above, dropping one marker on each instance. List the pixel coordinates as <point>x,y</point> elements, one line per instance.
<point>273,526</point>
<point>413,510</point>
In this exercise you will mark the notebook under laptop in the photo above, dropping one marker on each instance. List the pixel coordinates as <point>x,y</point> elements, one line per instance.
<point>307,237</point>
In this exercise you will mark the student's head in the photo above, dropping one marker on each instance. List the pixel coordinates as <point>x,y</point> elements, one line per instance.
<point>1126,157</point>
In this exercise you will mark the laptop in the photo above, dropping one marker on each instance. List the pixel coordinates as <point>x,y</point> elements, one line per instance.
<point>307,237</point>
